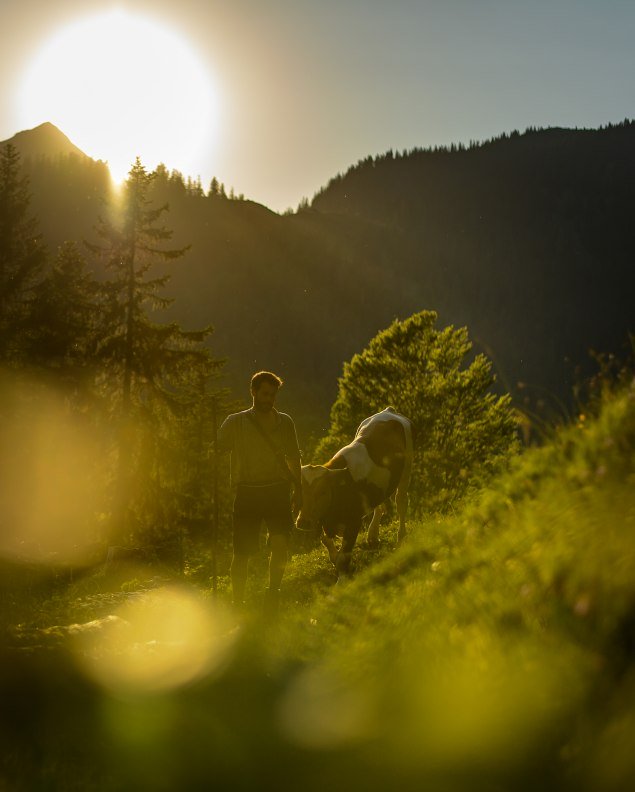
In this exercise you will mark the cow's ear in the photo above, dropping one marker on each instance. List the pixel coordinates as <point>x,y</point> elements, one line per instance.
<point>312,472</point>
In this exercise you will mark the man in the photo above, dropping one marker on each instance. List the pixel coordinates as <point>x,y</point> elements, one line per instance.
<point>266,477</point>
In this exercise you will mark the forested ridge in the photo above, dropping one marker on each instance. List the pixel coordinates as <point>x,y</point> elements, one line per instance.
<point>525,239</point>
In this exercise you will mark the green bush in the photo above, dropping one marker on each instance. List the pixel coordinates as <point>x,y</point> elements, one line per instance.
<point>462,430</point>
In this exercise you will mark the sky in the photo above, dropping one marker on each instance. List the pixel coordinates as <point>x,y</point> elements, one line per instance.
<point>300,91</point>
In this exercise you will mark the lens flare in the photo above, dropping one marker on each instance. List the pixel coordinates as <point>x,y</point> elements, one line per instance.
<point>162,640</point>
<point>49,482</point>
<point>320,712</point>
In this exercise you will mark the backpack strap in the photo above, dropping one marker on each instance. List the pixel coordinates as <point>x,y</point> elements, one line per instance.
<point>278,454</point>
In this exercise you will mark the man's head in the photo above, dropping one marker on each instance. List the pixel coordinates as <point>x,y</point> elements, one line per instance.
<point>264,389</point>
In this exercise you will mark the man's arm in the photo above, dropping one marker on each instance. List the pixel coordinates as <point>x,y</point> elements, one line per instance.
<point>225,437</point>
<point>294,463</point>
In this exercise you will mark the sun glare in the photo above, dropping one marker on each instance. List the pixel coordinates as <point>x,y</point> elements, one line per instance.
<point>160,641</point>
<point>119,86</point>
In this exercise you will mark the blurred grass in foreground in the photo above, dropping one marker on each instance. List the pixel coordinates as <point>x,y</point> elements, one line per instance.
<point>493,650</point>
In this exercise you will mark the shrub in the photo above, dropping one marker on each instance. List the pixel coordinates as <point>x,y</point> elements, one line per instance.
<point>462,430</point>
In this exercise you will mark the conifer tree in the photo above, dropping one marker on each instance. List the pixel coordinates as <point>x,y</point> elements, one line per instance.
<point>22,255</point>
<point>214,188</point>
<point>200,475</point>
<point>150,367</point>
<point>63,326</point>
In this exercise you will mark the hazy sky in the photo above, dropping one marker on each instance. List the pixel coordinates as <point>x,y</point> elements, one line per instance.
<point>306,89</point>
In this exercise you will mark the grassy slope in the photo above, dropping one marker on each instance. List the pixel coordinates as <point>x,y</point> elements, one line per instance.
<point>494,649</point>
<point>497,643</point>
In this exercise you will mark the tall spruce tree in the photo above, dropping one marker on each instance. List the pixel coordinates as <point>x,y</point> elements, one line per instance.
<point>22,255</point>
<point>151,369</point>
<point>62,338</point>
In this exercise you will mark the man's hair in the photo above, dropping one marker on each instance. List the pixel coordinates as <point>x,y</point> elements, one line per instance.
<point>265,376</point>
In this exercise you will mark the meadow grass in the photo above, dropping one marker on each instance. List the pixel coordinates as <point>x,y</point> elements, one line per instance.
<point>501,638</point>
<point>493,649</point>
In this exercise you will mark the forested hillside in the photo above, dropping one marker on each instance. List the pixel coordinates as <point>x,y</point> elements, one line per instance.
<point>525,239</point>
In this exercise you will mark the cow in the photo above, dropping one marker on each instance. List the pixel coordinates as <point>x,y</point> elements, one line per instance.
<point>356,482</point>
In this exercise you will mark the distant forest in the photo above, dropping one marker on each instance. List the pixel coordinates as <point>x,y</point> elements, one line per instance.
<point>526,239</point>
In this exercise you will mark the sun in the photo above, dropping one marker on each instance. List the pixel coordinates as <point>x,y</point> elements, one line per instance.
<point>119,86</point>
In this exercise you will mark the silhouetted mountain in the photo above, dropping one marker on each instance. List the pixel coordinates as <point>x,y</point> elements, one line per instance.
<point>525,239</point>
<point>43,141</point>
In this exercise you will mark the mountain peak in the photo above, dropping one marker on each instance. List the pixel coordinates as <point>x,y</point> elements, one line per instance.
<point>45,140</point>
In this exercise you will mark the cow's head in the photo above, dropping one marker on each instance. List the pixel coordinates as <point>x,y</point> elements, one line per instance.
<point>317,492</point>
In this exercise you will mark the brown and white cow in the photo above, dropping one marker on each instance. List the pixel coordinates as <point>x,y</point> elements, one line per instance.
<point>357,481</point>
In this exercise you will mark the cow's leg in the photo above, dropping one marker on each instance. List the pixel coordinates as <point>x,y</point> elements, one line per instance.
<point>402,507</point>
<point>345,556</point>
<point>401,499</point>
<point>373,528</point>
<point>329,543</point>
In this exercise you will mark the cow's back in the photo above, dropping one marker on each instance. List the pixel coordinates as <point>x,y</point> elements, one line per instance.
<point>387,436</point>
<point>385,441</point>
<point>377,455</point>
